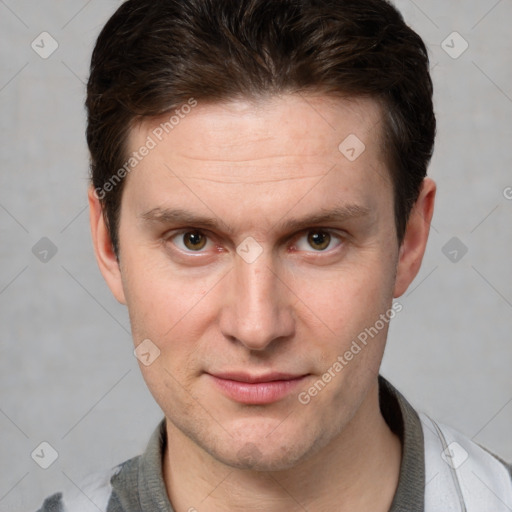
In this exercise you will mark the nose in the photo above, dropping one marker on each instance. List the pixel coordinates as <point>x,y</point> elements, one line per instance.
<point>258,304</point>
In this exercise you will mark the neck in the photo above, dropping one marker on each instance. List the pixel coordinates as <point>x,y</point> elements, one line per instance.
<point>357,471</point>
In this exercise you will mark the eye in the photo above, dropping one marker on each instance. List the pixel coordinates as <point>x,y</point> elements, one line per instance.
<point>318,239</point>
<point>192,240</point>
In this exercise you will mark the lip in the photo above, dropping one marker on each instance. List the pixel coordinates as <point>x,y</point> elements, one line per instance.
<point>256,389</point>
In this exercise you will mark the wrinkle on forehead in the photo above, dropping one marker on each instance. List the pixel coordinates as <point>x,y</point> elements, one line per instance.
<point>252,182</point>
<point>281,139</point>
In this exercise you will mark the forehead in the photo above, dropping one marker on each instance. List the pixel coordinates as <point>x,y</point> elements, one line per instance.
<point>248,134</point>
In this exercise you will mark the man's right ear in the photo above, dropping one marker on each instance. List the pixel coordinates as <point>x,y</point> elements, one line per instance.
<point>103,249</point>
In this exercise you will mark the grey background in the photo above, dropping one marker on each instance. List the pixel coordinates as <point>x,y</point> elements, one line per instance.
<point>67,371</point>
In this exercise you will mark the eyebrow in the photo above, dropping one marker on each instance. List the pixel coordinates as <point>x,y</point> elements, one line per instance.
<point>185,217</point>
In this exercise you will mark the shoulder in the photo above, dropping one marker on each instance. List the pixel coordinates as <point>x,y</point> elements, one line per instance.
<point>90,495</point>
<point>120,488</point>
<point>460,471</point>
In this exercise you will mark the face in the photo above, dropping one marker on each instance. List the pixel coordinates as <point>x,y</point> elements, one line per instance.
<point>253,249</point>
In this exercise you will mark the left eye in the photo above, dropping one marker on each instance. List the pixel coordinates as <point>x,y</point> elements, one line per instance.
<point>192,240</point>
<point>319,240</point>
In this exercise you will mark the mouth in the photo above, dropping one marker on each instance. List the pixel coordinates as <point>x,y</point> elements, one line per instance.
<point>256,389</point>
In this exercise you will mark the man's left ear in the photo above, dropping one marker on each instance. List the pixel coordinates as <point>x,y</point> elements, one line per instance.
<point>105,256</point>
<point>416,236</point>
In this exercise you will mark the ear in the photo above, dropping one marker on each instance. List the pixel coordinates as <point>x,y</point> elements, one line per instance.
<point>103,249</point>
<point>415,239</point>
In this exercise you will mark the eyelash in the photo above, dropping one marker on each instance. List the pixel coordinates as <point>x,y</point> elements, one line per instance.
<point>334,236</point>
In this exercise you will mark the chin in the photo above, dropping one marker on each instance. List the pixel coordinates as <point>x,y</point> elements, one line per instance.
<point>262,455</point>
<point>249,457</point>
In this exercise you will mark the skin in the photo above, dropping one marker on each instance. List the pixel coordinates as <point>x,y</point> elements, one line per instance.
<point>250,166</point>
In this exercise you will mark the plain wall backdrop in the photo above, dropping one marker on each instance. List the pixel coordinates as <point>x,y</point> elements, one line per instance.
<point>68,376</point>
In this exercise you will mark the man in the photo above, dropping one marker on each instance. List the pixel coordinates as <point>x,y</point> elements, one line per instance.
<point>259,199</point>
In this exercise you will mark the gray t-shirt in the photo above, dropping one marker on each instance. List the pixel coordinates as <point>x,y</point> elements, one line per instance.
<point>137,485</point>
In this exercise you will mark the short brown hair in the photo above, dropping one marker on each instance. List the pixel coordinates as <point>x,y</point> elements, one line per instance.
<point>153,56</point>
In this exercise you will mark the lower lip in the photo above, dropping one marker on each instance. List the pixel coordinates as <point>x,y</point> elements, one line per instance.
<point>257,393</point>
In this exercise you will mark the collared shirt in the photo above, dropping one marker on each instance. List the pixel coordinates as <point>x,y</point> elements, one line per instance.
<point>137,485</point>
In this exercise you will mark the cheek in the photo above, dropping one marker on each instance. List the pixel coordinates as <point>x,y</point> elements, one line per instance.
<point>159,299</point>
<point>351,297</point>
